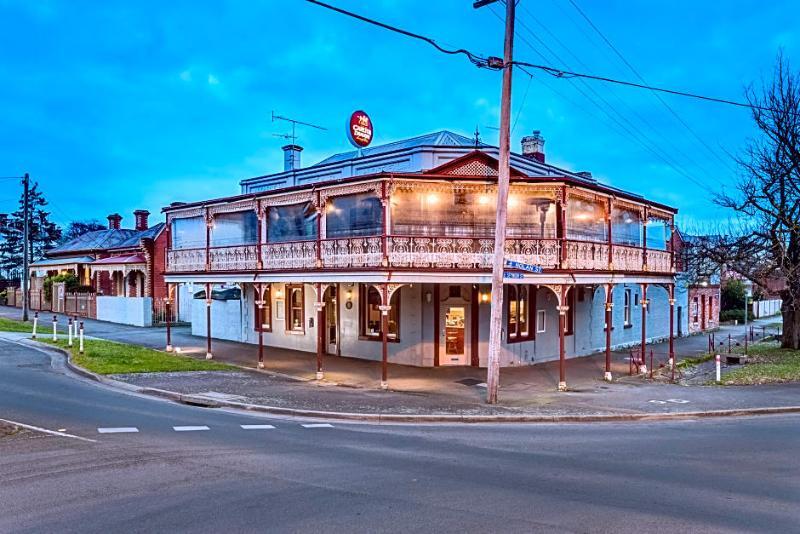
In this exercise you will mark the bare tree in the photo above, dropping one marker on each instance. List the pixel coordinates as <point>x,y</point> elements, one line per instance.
<point>764,241</point>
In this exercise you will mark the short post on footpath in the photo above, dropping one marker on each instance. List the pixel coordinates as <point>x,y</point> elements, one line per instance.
<point>35,324</point>
<point>719,370</point>
<point>55,328</point>
<point>80,338</point>
<point>69,332</point>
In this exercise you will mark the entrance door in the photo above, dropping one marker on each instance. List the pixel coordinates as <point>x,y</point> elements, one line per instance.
<point>702,312</point>
<point>680,321</point>
<point>454,338</point>
<point>332,321</point>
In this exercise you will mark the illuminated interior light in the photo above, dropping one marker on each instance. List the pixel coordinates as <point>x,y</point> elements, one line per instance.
<point>483,199</point>
<point>513,201</point>
<point>432,198</point>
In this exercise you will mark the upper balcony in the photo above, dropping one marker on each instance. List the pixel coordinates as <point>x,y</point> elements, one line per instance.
<point>420,224</point>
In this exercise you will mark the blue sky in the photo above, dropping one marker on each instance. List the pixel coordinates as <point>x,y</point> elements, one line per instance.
<point>114,106</point>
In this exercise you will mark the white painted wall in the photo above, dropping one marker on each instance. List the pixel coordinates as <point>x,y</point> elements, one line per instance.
<point>136,311</point>
<point>765,308</point>
<point>226,319</point>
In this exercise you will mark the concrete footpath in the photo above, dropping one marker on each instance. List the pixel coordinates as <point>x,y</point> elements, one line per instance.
<point>350,389</point>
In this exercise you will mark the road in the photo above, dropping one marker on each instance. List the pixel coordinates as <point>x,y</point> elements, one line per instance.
<point>702,476</point>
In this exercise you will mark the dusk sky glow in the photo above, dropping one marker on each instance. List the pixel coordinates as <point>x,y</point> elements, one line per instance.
<point>114,106</point>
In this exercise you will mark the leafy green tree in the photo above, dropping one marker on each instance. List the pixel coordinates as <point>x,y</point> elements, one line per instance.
<point>43,233</point>
<point>732,295</point>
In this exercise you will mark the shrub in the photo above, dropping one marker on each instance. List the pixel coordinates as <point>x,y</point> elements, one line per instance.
<point>732,295</point>
<point>71,282</point>
<point>732,315</point>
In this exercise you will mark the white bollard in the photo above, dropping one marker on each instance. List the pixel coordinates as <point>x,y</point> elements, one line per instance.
<point>719,371</point>
<point>55,328</point>
<point>35,323</point>
<point>69,333</point>
<point>80,338</point>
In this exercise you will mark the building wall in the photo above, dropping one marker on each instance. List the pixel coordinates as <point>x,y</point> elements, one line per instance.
<point>712,299</point>
<point>136,311</point>
<point>158,255</point>
<point>234,320</point>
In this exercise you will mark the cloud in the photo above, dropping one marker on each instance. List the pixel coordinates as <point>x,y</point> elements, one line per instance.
<point>213,80</point>
<point>186,76</point>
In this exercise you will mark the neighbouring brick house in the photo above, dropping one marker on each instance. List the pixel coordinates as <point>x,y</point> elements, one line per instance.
<point>702,294</point>
<point>125,267</point>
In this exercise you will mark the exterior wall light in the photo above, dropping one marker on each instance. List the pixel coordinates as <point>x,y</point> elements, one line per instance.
<point>485,297</point>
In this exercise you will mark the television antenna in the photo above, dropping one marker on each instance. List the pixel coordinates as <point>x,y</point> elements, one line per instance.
<point>294,122</point>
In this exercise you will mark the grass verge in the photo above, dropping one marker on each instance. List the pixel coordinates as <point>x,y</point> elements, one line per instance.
<point>108,358</point>
<point>12,325</point>
<point>767,363</point>
<point>691,362</point>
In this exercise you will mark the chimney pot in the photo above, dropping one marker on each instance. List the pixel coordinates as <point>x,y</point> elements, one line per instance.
<point>114,221</point>
<point>140,216</point>
<point>291,157</point>
<point>533,146</point>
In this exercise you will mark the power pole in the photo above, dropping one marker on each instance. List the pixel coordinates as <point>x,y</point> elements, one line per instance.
<point>504,172</point>
<point>25,244</point>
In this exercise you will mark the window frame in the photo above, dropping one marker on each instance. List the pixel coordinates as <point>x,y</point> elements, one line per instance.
<point>543,314</point>
<point>569,324</point>
<point>394,315</point>
<point>258,316</point>
<point>627,316</point>
<point>290,289</point>
<point>521,306</point>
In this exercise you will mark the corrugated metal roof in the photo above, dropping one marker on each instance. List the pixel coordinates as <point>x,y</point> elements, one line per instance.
<point>62,261</point>
<point>440,138</point>
<point>106,239</point>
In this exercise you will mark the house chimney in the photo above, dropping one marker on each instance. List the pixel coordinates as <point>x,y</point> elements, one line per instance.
<point>114,221</point>
<point>140,217</point>
<point>533,146</point>
<point>291,157</point>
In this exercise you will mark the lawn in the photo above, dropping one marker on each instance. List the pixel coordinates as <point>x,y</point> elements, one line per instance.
<point>692,362</point>
<point>108,357</point>
<point>44,328</point>
<point>768,363</point>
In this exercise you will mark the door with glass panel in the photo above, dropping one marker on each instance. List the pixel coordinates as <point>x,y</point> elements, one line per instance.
<point>332,320</point>
<point>454,341</point>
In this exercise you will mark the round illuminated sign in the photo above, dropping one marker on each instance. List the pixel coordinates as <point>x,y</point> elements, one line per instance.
<point>359,129</point>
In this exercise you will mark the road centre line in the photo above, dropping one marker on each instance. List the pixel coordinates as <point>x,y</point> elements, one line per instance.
<point>189,428</point>
<point>257,427</point>
<point>118,430</point>
<point>317,425</point>
<point>46,431</point>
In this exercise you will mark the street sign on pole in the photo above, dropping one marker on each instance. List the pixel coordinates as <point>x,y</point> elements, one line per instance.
<point>511,264</point>
<point>513,275</point>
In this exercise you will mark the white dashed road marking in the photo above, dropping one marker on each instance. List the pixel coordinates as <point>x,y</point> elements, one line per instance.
<point>257,427</point>
<point>118,430</point>
<point>317,425</point>
<point>189,428</point>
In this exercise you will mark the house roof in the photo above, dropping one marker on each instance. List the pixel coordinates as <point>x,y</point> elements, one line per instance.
<point>126,259</point>
<point>440,138</point>
<point>108,239</point>
<point>68,260</point>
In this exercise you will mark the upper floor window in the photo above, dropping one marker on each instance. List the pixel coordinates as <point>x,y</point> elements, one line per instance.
<point>586,220</point>
<point>294,222</point>
<point>627,308</point>
<point>236,228</point>
<point>657,234</point>
<point>189,232</point>
<point>626,227</point>
<point>353,215</point>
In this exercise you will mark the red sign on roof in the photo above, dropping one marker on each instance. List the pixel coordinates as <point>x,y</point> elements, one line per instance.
<point>359,129</point>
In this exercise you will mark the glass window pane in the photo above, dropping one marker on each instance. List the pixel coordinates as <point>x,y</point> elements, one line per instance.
<point>238,228</point>
<point>353,215</point>
<point>586,220</point>
<point>523,311</point>
<point>295,222</point>
<point>189,232</point>
<point>626,227</point>
<point>657,233</point>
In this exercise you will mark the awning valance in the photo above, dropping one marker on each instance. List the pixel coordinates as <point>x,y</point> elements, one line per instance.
<point>41,267</point>
<point>123,264</point>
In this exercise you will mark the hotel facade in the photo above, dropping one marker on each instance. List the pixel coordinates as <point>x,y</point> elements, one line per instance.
<point>385,254</point>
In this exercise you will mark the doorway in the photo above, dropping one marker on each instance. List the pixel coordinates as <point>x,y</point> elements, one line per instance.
<point>702,312</point>
<point>331,320</point>
<point>680,321</point>
<point>454,336</point>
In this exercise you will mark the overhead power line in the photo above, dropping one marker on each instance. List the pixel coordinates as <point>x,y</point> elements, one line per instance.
<point>497,63</point>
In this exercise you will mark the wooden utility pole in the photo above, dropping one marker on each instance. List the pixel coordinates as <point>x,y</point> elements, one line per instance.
<point>504,171</point>
<point>25,246</point>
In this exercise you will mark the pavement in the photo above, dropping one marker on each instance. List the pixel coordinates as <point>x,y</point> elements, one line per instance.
<point>97,459</point>
<point>527,394</point>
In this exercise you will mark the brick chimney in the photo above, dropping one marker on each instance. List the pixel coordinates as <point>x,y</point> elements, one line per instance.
<point>533,146</point>
<point>114,221</point>
<point>140,216</point>
<point>291,157</point>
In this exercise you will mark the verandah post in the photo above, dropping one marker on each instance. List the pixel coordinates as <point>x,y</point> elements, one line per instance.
<point>260,325</point>
<point>643,302</point>
<point>385,307</point>
<point>609,307</point>
<point>167,318</point>
<point>562,326</point>
<point>672,329</point>
<point>209,355</point>
<point>320,305</point>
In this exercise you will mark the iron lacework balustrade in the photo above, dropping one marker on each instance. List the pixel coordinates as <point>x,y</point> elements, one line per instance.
<point>572,229</point>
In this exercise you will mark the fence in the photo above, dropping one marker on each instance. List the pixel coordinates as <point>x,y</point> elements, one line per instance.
<point>79,304</point>
<point>765,308</point>
<point>160,312</point>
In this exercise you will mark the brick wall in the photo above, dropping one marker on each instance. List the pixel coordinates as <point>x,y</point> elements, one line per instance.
<point>159,261</point>
<point>703,308</point>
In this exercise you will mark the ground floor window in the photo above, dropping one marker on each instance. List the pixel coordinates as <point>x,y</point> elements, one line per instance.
<point>295,309</point>
<point>569,324</point>
<point>541,321</point>
<point>627,310</point>
<point>370,325</point>
<point>263,315</point>
<point>521,299</point>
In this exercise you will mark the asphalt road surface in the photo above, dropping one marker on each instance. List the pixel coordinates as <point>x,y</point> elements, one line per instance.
<point>136,464</point>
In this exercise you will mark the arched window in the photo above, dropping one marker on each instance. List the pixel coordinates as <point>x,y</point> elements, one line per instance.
<point>521,301</point>
<point>262,318</point>
<point>369,300</point>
